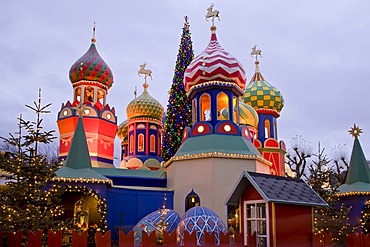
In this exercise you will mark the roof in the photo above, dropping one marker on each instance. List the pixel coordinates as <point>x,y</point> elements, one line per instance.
<point>226,144</point>
<point>78,155</point>
<point>276,189</point>
<point>81,174</point>
<point>358,176</point>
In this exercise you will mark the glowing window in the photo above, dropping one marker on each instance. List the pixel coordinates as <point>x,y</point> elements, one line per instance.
<point>191,200</point>
<point>267,128</point>
<point>131,143</point>
<point>140,142</point>
<point>236,110</point>
<point>89,94</point>
<point>205,107</point>
<point>194,111</point>
<point>222,103</point>
<point>152,143</point>
<point>101,96</point>
<point>77,94</point>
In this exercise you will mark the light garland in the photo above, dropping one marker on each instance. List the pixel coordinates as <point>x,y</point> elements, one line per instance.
<point>354,193</point>
<point>218,155</point>
<point>365,218</point>
<point>215,83</point>
<point>83,180</point>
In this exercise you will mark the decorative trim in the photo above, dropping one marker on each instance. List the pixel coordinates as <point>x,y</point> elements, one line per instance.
<point>353,193</point>
<point>83,180</point>
<point>93,83</point>
<point>215,83</point>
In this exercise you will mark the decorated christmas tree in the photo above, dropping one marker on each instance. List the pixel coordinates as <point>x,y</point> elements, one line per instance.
<point>178,114</point>
<point>25,204</point>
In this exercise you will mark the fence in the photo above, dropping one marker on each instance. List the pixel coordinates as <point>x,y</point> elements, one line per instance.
<point>104,240</point>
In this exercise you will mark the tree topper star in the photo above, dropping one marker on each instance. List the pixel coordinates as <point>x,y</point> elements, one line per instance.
<point>355,131</point>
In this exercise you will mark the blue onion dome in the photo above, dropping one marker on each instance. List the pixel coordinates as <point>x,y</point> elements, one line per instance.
<point>261,95</point>
<point>150,222</point>
<point>122,131</point>
<point>200,219</point>
<point>145,106</point>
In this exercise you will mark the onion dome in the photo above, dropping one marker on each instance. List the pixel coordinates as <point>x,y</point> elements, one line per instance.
<point>91,67</point>
<point>262,95</point>
<point>122,131</point>
<point>248,115</point>
<point>145,106</point>
<point>149,223</point>
<point>214,64</point>
<point>201,219</point>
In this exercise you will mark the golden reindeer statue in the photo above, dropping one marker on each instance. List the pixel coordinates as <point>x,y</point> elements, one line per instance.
<point>144,71</point>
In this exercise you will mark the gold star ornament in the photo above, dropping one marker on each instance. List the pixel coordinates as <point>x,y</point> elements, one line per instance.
<point>355,131</point>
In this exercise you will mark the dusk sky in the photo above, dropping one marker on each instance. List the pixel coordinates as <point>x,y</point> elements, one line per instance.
<point>315,52</point>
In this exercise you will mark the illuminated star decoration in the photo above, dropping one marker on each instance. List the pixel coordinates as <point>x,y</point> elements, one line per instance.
<point>355,131</point>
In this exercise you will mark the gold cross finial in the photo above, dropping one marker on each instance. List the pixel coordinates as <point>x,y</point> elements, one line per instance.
<point>355,131</point>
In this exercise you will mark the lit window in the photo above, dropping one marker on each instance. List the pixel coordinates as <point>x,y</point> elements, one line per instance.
<point>152,143</point>
<point>191,200</point>
<point>89,94</point>
<point>131,144</point>
<point>267,128</point>
<point>205,107</point>
<point>141,143</point>
<point>194,111</point>
<point>257,222</point>
<point>222,103</point>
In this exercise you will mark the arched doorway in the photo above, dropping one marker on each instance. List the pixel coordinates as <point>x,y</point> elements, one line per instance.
<point>191,200</point>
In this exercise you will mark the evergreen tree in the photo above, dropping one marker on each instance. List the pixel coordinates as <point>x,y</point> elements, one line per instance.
<point>25,204</point>
<point>333,219</point>
<point>178,114</point>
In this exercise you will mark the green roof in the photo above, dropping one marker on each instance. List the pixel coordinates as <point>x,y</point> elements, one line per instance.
<point>160,173</point>
<point>78,155</point>
<point>358,175</point>
<point>84,173</point>
<point>227,144</point>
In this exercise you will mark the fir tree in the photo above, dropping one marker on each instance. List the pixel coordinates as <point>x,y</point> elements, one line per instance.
<point>25,204</point>
<point>178,115</point>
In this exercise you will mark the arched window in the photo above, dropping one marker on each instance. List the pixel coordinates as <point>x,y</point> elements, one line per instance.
<point>205,107</point>
<point>101,96</point>
<point>131,144</point>
<point>236,110</point>
<point>81,214</point>
<point>152,143</point>
<point>89,94</point>
<point>77,94</point>
<point>140,142</point>
<point>222,103</point>
<point>194,110</point>
<point>267,128</point>
<point>191,200</point>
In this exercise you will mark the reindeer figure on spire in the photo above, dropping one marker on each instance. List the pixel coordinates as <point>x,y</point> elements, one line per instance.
<point>212,14</point>
<point>256,52</point>
<point>144,71</point>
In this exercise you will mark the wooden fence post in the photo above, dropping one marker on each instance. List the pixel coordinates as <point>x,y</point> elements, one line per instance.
<point>169,239</point>
<point>34,240</point>
<point>148,241</point>
<point>103,240</point>
<point>79,240</point>
<point>15,239</point>
<point>55,239</point>
<point>126,240</point>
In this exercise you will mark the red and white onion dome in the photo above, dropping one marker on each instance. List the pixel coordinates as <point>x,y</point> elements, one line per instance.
<point>214,64</point>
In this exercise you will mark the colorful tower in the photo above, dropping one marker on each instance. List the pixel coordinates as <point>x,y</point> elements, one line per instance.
<point>91,79</point>
<point>216,149</point>
<point>355,192</point>
<point>141,132</point>
<point>268,102</point>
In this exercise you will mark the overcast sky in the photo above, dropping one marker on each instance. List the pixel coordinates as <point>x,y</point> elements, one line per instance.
<point>315,52</point>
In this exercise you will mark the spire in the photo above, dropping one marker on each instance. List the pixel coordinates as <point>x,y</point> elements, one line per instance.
<point>93,40</point>
<point>257,75</point>
<point>358,170</point>
<point>78,155</point>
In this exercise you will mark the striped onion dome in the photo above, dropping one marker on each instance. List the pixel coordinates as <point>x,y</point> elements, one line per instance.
<point>247,114</point>
<point>91,68</point>
<point>261,95</point>
<point>214,64</point>
<point>145,106</point>
<point>122,131</point>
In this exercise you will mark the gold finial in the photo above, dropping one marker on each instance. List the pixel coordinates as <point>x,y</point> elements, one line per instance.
<point>145,72</point>
<point>355,131</point>
<point>256,52</point>
<point>93,38</point>
<point>212,14</point>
